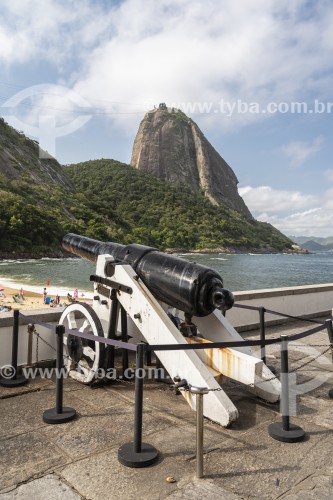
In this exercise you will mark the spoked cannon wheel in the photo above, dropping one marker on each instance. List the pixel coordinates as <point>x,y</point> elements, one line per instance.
<point>83,357</point>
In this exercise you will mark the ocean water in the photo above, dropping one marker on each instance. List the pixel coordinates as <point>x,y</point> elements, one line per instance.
<point>239,271</point>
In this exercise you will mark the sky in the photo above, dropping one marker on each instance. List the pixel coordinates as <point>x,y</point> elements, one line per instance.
<point>255,75</point>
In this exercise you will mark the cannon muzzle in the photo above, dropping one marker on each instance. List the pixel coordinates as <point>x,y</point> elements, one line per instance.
<point>192,288</point>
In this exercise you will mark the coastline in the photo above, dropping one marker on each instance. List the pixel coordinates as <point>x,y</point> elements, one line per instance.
<point>60,254</point>
<point>33,298</point>
<point>239,250</point>
<point>240,271</point>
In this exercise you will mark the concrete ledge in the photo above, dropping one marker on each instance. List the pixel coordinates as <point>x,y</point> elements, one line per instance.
<point>281,292</point>
<point>308,301</point>
<point>281,321</point>
<point>43,315</point>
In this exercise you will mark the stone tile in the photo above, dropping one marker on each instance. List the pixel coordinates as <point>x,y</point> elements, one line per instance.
<point>98,430</point>
<point>102,475</point>
<point>318,486</point>
<point>100,398</point>
<point>31,386</point>
<point>272,467</point>
<point>197,489</point>
<point>24,413</point>
<point>50,487</point>
<point>27,455</point>
<point>241,460</point>
<point>316,410</point>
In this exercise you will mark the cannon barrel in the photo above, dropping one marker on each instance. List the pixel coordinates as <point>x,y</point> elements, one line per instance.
<point>192,288</point>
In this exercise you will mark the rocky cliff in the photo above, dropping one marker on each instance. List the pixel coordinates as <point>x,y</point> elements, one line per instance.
<point>19,159</point>
<point>171,146</point>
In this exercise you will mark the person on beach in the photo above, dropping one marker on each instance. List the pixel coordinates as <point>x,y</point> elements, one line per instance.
<point>44,295</point>
<point>57,300</point>
<point>22,293</point>
<point>76,293</point>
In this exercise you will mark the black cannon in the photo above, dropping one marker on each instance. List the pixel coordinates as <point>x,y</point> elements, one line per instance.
<point>193,288</point>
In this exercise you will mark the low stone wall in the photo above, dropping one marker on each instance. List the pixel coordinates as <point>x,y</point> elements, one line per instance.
<point>44,350</point>
<point>308,301</point>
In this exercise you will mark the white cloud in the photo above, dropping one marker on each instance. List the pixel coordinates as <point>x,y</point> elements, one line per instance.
<point>143,52</point>
<point>298,152</point>
<point>328,201</point>
<point>268,200</point>
<point>51,30</point>
<point>283,209</point>
<point>257,51</point>
<point>318,222</point>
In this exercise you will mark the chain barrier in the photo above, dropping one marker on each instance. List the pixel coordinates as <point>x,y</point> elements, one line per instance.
<point>310,360</point>
<point>167,347</point>
<point>32,329</point>
<point>276,313</point>
<point>274,377</point>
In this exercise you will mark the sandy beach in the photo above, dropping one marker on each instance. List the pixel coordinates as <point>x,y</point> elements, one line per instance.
<point>32,300</point>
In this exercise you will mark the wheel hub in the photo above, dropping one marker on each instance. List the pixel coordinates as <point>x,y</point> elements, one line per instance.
<point>75,348</point>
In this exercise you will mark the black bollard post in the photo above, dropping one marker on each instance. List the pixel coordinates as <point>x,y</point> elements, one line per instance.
<point>138,454</point>
<point>330,336</point>
<point>9,376</point>
<point>60,414</point>
<point>262,334</point>
<point>285,431</point>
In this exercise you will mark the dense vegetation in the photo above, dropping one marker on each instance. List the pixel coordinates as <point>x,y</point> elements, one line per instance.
<point>108,200</point>
<point>128,205</point>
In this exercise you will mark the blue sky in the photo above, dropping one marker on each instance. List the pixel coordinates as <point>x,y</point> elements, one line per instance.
<point>256,76</point>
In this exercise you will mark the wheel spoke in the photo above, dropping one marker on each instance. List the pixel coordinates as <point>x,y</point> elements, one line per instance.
<point>84,367</point>
<point>85,326</point>
<point>89,355</point>
<point>72,321</point>
<point>88,351</point>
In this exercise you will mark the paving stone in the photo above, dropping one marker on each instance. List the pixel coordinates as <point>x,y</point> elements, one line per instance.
<point>32,385</point>
<point>26,455</point>
<point>197,489</point>
<point>24,413</point>
<point>273,467</point>
<point>101,429</point>
<point>240,461</point>
<point>317,486</point>
<point>49,487</point>
<point>99,398</point>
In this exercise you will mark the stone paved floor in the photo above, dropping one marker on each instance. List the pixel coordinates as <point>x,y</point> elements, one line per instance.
<point>79,459</point>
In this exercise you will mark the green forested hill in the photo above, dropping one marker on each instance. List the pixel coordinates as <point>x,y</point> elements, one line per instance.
<point>127,205</point>
<point>40,201</point>
<point>34,196</point>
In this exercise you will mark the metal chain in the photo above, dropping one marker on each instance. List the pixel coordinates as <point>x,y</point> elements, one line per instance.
<point>39,337</point>
<point>186,389</point>
<point>274,377</point>
<point>36,344</point>
<point>310,360</point>
<point>123,381</point>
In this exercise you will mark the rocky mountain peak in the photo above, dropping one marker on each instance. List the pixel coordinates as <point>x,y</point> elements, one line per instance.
<point>171,146</point>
